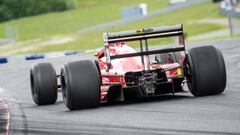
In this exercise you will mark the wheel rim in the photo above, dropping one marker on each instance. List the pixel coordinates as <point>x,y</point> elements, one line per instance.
<point>188,73</point>
<point>63,85</point>
<point>33,86</point>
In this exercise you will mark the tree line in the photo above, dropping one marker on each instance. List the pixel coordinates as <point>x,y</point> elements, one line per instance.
<point>13,9</point>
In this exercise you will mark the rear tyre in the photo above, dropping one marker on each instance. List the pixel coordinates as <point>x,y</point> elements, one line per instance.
<point>165,58</point>
<point>80,84</point>
<point>43,83</point>
<point>206,72</point>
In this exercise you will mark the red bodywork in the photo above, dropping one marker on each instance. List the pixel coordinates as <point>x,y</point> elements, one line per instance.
<point>118,68</point>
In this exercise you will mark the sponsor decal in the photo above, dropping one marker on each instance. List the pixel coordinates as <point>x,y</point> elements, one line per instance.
<point>144,30</point>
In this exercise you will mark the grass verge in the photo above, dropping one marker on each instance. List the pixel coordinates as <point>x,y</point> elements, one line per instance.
<point>190,17</point>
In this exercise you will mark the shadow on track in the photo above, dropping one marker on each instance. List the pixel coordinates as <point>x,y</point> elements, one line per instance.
<point>161,98</point>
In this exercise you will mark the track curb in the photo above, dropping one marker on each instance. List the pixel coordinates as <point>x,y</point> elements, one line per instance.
<point>14,119</point>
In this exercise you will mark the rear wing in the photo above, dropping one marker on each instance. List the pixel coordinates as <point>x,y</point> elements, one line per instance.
<point>143,35</point>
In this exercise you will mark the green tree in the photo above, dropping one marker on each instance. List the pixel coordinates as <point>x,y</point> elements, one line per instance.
<point>13,9</point>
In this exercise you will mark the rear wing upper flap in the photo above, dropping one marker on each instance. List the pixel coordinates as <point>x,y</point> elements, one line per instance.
<point>145,33</point>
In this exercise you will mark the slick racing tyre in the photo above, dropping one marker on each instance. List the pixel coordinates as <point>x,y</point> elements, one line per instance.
<point>205,71</point>
<point>43,80</point>
<point>80,82</point>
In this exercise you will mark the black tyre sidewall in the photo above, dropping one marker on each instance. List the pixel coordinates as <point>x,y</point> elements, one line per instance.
<point>43,84</point>
<point>34,84</point>
<point>82,82</point>
<point>208,73</point>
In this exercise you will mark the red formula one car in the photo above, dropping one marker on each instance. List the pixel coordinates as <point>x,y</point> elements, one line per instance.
<point>119,72</point>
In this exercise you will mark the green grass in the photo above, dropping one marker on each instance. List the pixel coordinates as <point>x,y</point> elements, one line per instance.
<point>152,4</point>
<point>238,5</point>
<point>87,14</point>
<point>189,17</point>
<point>235,36</point>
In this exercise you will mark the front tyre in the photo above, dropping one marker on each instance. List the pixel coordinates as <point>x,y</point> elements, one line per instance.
<point>43,83</point>
<point>80,82</point>
<point>206,72</point>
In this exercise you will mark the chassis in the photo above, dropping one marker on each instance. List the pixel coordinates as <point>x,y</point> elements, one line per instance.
<point>119,73</point>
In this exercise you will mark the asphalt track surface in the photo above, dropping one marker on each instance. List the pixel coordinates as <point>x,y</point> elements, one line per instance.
<point>168,114</point>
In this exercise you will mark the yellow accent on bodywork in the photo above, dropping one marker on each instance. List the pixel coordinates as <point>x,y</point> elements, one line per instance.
<point>139,31</point>
<point>179,71</point>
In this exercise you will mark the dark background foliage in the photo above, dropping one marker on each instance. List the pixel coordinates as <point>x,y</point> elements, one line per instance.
<point>13,9</point>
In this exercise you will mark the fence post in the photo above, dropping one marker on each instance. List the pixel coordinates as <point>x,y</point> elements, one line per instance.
<point>230,25</point>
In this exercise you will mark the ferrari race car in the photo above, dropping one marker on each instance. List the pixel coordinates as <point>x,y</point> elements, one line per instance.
<point>118,72</point>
